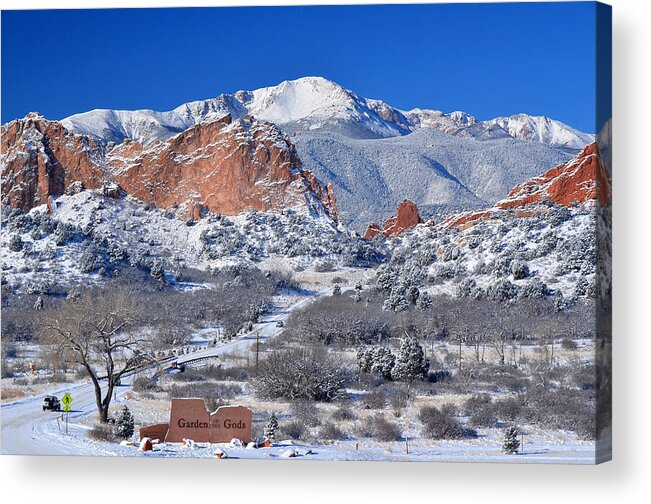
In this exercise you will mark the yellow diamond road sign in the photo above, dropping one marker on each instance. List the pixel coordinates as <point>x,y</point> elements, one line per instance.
<point>66,400</point>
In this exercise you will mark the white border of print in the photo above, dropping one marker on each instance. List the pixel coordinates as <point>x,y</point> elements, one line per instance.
<point>626,479</point>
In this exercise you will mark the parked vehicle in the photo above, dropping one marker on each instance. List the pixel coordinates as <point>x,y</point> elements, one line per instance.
<point>51,403</point>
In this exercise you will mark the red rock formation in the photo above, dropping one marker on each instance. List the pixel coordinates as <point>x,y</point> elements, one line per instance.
<point>41,158</point>
<point>406,217</point>
<point>223,166</point>
<point>582,179</point>
<point>372,231</point>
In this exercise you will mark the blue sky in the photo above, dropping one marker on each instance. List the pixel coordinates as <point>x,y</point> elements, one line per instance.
<point>486,59</point>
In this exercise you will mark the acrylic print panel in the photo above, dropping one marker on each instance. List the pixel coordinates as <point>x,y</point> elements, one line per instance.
<point>281,233</point>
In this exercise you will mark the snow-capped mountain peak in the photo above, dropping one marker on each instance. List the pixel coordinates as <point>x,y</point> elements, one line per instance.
<point>544,130</point>
<point>316,103</point>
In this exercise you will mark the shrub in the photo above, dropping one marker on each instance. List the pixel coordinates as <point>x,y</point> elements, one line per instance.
<point>16,243</point>
<point>298,373</point>
<point>439,425</point>
<point>519,270</point>
<point>103,432</point>
<point>145,384</point>
<point>324,267</point>
<point>330,432</point>
<point>410,363</point>
<point>569,344</point>
<point>293,430</point>
<point>383,430</point>
<point>485,417</point>
<point>306,412</point>
<point>398,399</point>
<point>508,409</point>
<point>476,403</point>
<point>271,427</point>
<point>234,373</point>
<point>343,414</point>
<point>375,399</point>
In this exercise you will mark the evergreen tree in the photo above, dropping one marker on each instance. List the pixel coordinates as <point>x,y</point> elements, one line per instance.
<point>336,291</point>
<point>16,243</point>
<point>382,362</point>
<point>365,359</point>
<point>424,301</point>
<point>412,294</point>
<point>511,444</point>
<point>124,423</point>
<point>411,363</point>
<point>270,428</point>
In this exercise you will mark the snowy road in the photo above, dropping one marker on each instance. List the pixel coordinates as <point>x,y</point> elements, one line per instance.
<point>27,430</point>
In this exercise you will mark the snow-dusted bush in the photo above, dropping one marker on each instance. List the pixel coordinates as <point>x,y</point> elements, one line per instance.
<point>439,424</point>
<point>585,287</point>
<point>396,301</point>
<point>63,234</point>
<point>16,243</point>
<point>424,301</point>
<point>157,270</point>
<point>535,289</point>
<point>300,373</point>
<point>271,427</point>
<point>501,290</point>
<point>519,270</point>
<point>377,360</point>
<point>91,259</point>
<point>384,430</point>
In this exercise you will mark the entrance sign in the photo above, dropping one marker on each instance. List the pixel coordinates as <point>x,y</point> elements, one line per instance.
<point>190,419</point>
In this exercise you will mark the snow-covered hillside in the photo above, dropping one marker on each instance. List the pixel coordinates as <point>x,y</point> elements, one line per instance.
<point>89,237</point>
<point>513,254</point>
<point>428,167</point>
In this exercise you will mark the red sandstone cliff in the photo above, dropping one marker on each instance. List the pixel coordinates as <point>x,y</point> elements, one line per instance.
<point>406,217</point>
<point>224,166</point>
<point>583,179</point>
<point>41,158</point>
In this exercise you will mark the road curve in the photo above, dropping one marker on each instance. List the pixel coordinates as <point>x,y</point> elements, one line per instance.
<point>27,430</point>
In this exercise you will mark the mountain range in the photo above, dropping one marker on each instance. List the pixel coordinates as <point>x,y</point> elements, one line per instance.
<point>315,103</point>
<point>368,154</point>
<point>373,154</point>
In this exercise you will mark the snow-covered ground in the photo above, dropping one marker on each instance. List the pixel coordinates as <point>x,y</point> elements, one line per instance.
<point>26,429</point>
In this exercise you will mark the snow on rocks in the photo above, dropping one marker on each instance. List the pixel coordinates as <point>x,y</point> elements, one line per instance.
<point>146,444</point>
<point>220,454</point>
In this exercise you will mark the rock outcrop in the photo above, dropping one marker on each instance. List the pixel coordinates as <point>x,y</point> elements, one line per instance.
<point>406,217</point>
<point>583,179</point>
<point>40,158</point>
<point>223,166</point>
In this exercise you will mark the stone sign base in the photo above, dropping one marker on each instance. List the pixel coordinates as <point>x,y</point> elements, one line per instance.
<point>158,431</point>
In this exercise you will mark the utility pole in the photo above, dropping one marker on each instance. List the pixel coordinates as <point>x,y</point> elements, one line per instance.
<point>257,351</point>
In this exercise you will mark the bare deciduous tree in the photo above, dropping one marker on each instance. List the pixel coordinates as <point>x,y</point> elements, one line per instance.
<point>94,331</point>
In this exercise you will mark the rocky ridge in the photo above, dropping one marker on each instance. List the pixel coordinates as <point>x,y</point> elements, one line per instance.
<point>224,166</point>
